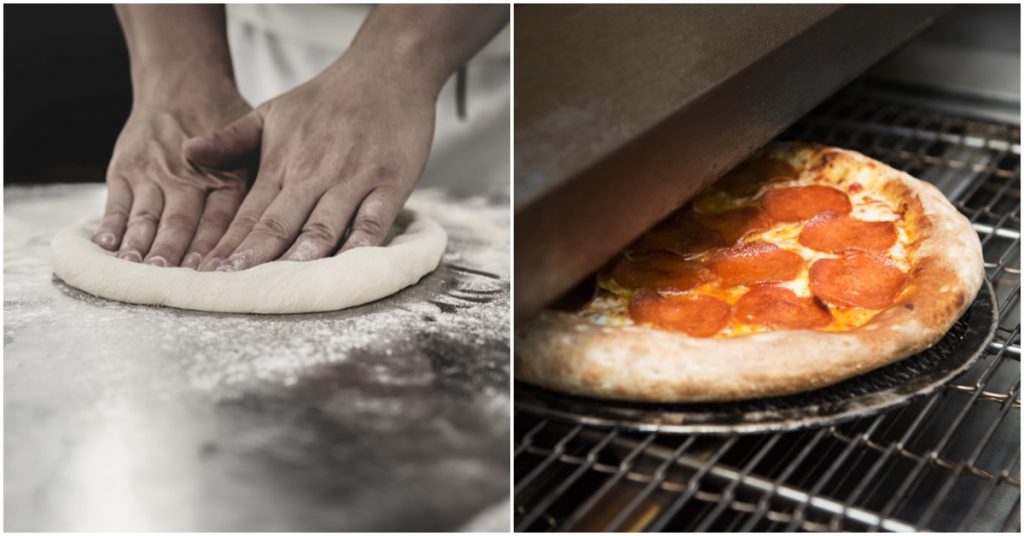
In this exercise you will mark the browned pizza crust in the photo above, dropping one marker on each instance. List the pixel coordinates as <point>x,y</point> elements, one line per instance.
<point>569,353</point>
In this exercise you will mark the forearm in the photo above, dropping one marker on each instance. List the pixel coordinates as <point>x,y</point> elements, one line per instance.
<point>424,42</point>
<point>177,52</point>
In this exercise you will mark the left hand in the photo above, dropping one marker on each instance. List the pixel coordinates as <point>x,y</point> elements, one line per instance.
<point>160,208</point>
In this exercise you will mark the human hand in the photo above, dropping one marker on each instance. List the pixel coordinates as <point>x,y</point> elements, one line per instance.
<point>339,156</point>
<point>161,208</point>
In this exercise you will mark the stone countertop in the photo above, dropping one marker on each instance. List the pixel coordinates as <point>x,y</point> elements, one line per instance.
<point>390,416</point>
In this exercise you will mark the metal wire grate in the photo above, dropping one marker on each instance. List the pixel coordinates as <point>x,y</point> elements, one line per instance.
<point>948,461</point>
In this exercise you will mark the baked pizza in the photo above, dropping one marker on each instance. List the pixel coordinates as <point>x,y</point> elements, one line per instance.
<point>804,266</point>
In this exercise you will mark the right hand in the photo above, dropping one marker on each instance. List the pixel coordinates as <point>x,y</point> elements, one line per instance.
<point>339,155</point>
<point>162,209</point>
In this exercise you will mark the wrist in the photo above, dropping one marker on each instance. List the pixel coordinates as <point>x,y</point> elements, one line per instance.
<point>409,60</point>
<point>182,86</point>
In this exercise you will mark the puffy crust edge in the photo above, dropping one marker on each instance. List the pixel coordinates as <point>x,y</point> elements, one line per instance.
<point>564,352</point>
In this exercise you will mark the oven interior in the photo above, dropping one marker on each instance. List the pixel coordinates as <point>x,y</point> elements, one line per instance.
<point>948,461</point>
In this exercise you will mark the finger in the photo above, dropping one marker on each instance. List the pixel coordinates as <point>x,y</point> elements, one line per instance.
<point>147,205</point>
<point>115,216</point>
<point>373,219</point>
<point>275,231</point>
<point>220,208</point>
<point>322,232</point>
<point>255,204</point>
<point>177,227</point>
<point>228,145</point>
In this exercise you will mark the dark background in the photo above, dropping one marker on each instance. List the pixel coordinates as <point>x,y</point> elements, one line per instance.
<point>67,91</point>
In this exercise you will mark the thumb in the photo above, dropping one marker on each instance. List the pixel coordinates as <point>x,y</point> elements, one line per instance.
<point>228,145</point>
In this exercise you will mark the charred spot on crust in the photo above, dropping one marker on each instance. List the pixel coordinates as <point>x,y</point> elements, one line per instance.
<point>829,159</point>
<point>909,306</point>
<point>825,161</point>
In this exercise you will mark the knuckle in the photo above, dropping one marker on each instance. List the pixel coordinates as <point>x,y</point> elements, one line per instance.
<point>144,216</point>
<point>272,227</point>
<point>246,220</point>
<point>354,163</point>
<point>369,226</point>
<point>117,211</point>
<point>320,232</point>
<point>306,164</point>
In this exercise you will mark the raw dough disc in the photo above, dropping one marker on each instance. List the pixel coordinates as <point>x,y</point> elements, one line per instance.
<point>355,277</point>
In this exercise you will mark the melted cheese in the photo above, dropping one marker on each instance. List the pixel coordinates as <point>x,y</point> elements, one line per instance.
<point>717,201</point>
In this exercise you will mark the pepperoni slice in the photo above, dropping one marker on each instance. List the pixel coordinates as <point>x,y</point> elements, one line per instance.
<point>835,232</point>
<point>733,224</point>
<point>693,314</point>
<point>804,202</point>
<point>858,278</point>
<point>777,307</point>
<point>748,178</point>
<point>682,238</point>
<point>659,271</point>
<point>756,262</point>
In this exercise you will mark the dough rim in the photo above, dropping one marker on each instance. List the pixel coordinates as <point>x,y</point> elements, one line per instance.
<point>353,278</point>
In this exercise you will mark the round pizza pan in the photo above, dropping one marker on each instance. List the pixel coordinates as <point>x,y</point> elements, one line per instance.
<point>867,394</point>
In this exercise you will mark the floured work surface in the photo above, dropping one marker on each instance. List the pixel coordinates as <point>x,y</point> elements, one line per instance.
<point>389,416</point>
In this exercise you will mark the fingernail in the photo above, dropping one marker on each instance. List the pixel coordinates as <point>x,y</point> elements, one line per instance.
<point>130,255</point>
<point>105,240</point>
<point>192,260</point>
<point>235,262</point>
<point>157,261</point>
<point>305,250</point>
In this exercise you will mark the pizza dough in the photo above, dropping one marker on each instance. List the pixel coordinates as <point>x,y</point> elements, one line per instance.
<point>676,348</point>
<point>352,278</point>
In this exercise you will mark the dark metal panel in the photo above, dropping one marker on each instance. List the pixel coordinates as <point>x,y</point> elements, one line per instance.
<point>682,94</point>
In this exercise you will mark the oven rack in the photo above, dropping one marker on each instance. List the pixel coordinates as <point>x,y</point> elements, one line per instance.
<point>947,461</point>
